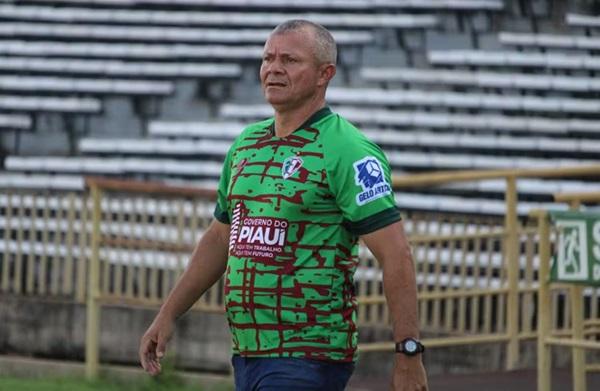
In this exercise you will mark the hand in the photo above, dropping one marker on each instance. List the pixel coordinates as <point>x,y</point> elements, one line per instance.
<point>154,342</point>
<point>409,374</point>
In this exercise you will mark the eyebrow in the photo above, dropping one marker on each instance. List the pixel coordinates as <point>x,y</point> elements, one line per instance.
<point>282,54</point>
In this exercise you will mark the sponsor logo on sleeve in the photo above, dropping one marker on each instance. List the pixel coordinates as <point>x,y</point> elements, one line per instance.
<point>290,166</point>
<point>368,174</point>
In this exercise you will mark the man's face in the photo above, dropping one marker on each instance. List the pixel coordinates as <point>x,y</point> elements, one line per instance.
<point>290,74</point>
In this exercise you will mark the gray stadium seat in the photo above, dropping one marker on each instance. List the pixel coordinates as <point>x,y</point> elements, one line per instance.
<point>171,52</point>
<point>15,121</point>
<point>50,104</point>
<point>216,130</point>
<point>513,59</point>
<point>156,34</point>
<point>379,97</point>
<point>18,180</point>
<point>113,166</point>
<point>155,147</point>
<point>87,86</point>
<point>481,79</point>
<point>116,68</point>
<point>550,41</point>
<point>482,122</point>
<point>467,5</point>
<point>209,18</point>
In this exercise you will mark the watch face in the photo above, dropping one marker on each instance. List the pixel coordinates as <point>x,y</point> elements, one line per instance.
<point>410,346</point>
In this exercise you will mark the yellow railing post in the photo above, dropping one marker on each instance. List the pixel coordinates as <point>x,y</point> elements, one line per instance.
<point>578,354</point>
<point>92,335</point>
<point>512,272</point>
<point>579,381</point>
<point>544,358</point>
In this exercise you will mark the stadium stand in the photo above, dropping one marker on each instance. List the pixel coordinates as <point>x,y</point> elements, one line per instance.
<point>434,82</point>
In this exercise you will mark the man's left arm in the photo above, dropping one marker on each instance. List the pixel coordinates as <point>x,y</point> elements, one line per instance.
<point>390,247</point>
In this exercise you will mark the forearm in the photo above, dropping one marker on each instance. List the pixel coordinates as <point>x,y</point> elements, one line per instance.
<point>207,264</point>
<point>391,248</point>
<point>400,290</point>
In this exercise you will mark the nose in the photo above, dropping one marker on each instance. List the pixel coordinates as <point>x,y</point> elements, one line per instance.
<point>273,66</point>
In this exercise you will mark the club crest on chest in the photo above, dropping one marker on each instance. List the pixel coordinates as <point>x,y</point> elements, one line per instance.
<point>290,166</point>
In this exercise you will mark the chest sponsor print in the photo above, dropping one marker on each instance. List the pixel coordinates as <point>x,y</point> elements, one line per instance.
<point>257,237</point>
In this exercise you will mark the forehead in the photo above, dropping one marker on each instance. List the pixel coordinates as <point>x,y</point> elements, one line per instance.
<point>298,42</point>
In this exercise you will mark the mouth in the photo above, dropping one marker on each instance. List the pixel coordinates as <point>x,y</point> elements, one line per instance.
<point>275,84</point>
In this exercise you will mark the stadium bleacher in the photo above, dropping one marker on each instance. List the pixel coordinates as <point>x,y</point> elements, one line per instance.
<point>50,104</point>
<point>210,18</point>
<point>117,68</point>
<point>438,83</point>
<point>436,120</point>
<point>129,51</point>
<point>522,82</point>
<point>21,84</point>
<point>460,5</point>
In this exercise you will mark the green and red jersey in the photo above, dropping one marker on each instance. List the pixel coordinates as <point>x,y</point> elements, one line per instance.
<point>296,206</point>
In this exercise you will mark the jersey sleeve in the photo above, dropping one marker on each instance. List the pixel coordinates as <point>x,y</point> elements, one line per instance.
<point>360,179</point>
<point>221,212</point>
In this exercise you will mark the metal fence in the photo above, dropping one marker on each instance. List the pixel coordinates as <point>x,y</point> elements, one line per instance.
<point>127,243</point>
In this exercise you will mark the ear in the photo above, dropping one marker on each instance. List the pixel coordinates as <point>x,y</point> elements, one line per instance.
<point>326,73</point>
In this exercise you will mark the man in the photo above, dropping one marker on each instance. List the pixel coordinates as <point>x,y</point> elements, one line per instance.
<point>297,191</point>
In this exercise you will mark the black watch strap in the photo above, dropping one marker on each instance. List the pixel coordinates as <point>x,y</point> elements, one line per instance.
<point>410,347</point>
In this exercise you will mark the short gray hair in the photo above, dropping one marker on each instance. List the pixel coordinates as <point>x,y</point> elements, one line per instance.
<point>325,47</point>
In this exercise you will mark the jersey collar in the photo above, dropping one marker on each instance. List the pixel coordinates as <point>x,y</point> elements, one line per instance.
<point>317,116</point>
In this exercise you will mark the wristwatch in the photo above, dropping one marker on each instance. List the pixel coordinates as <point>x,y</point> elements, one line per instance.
<point>410,347</point>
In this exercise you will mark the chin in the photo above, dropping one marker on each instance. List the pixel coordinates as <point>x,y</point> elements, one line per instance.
<point>276,100</point>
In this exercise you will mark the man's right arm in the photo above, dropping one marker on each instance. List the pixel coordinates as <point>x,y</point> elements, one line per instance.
<point>207,264</point>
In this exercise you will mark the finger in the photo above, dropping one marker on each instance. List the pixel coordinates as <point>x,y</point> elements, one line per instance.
<point>147,363</point>
<point>155,367</point>
<point>151,364</point>
<point>142,354</point>
<point>147,354</point>
<point>161,347</point>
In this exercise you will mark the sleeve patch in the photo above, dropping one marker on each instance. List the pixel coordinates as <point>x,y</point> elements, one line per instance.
<point>369,175</point>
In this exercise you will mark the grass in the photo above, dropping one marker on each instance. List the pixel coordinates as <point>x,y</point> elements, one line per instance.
<point>77,384</point>
<point>168,380</point>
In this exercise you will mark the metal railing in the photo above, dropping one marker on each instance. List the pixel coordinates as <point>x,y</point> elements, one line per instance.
<point>511,233</point>
<point>127,242</point>
<point>44,244</point>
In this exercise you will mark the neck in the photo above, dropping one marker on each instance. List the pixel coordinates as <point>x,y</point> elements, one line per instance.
<point>288,120</point>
